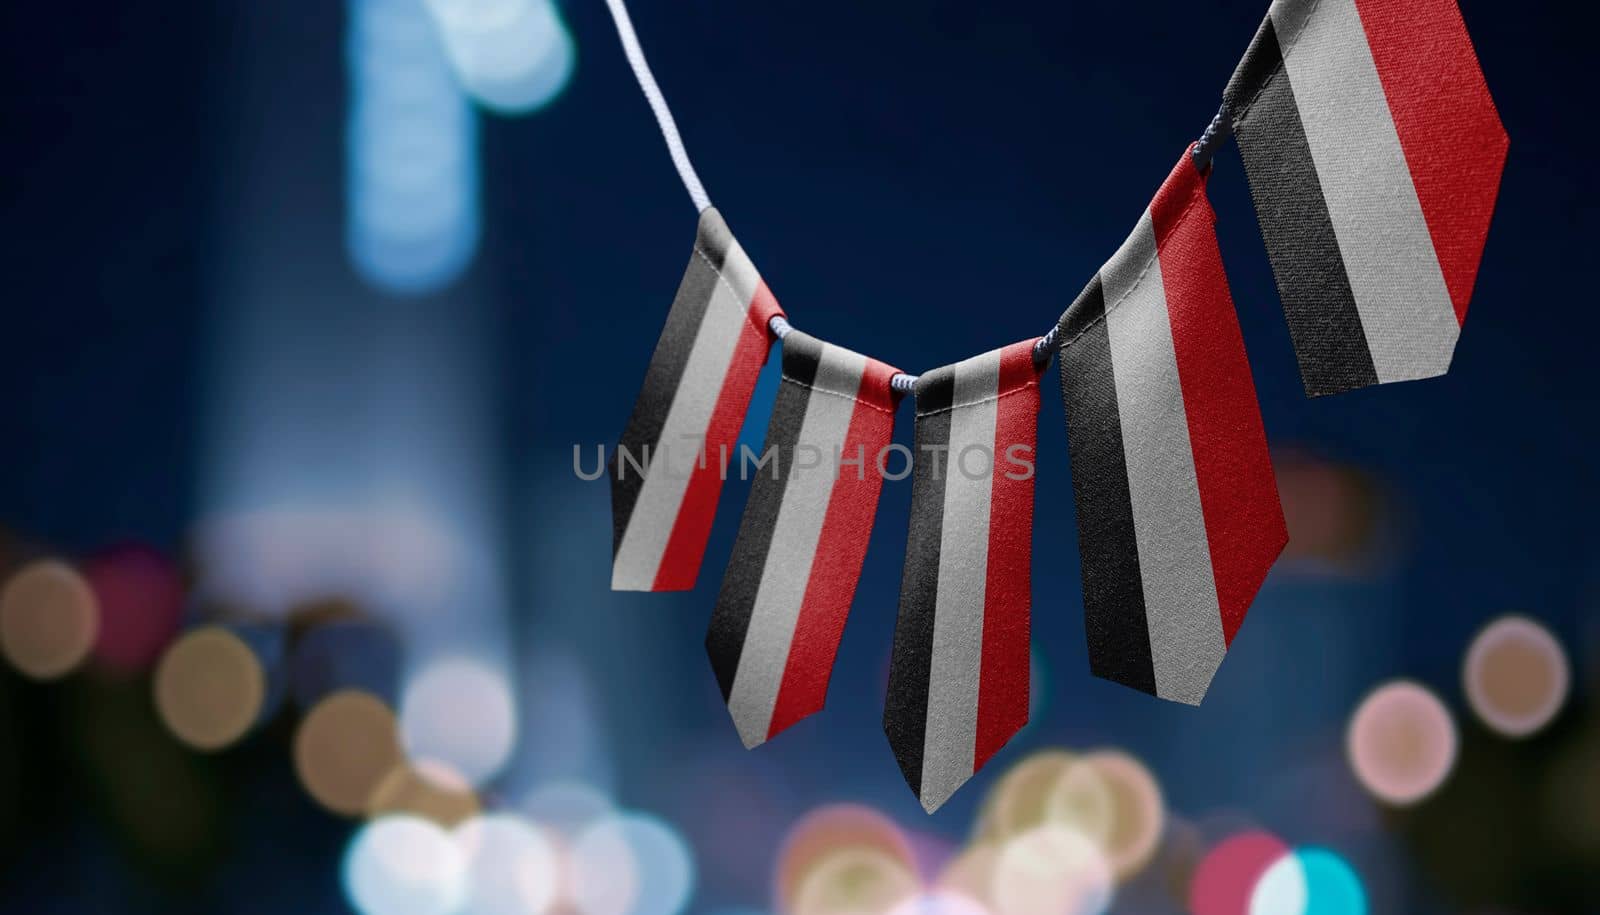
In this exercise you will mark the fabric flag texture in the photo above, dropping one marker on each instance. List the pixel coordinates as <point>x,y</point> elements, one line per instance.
<point>667,472</point>
<point>958,677</point>
<point>1178,512</point>
<point>1373,152</point>
<point>800,546</point>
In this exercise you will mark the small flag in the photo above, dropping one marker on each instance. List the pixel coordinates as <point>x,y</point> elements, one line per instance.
<point>1178,514</point>
<point>1374,153</point>
<point>797,558</point>
<point>666,474</point>
<point>958,678</point>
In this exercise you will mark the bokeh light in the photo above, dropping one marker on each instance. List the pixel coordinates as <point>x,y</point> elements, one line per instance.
<point>1020,799</point>
<point>602,873</point>
<point>1516,676</point>
<point>140,593</point>
<point>855,881</point>
<point>512,868</point>
<point>631,863</point>
<point>971,873</point>
<point>1282,890</point>
<point>1227,876</point>
<point>412,152</point>
<point>829,829</point>
<point>1051,870</point>
<point>1106,796</point>
<point>663,862</point>
<point>1333,888</point>
<point>1081,800</point>
<point>1136,813</point>
<point>427,788</point>
<point>930,851</point>
<point>344,748</point>
<point>940,902</point>
<point>1309,881</point>
<point>1401,743</point>
<point>48,619</point>
<point>512,56</point>
<point>1334,514</point>
<point>460,712</point>
<point>401,865</point>
<point>210,688</point>
<point>281,560</point>
<point>566,806</point>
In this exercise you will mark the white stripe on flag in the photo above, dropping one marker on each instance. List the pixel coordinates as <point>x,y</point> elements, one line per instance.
<point>795,534</point>
<point>950,740</point>
<point>1180,593</point>
<point>740,272</point>
<point>1388,252</point>
<point>682,434</point>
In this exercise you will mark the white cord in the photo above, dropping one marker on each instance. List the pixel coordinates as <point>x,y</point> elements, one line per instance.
<point>680,157</point>
<point>658,104</point>
<point>900,381</point>
<point>1042,350</point>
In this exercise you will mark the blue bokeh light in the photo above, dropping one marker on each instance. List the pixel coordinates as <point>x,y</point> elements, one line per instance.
<point>413,209</point>
<point>1333,888</point>
<point>404,865</point>
<point>1309,881</point>
<point>511,56</point>
<point>633,863</point>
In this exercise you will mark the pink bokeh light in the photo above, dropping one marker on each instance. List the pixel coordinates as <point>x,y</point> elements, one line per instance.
<point>141,594</point>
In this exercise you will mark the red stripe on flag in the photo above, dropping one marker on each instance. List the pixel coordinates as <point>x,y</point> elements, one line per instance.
<point>686,545</point>
<point>1238,492</point>
<point>841,548</point>
<point>1003,672</point>
<point>1454,142</point>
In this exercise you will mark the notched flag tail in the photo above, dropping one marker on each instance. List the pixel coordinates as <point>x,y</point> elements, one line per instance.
<point>798,555</point>
<point>666,473</point>
<point>1178,512</point>
<point>958,678</point>
<point>1373,152</point>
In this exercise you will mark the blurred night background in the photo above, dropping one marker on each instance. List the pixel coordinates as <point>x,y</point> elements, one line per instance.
<point>304,609</point>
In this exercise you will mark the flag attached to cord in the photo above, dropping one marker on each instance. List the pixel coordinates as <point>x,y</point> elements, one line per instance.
<point>1373,152</point>
<point>788,587</point>
<point>667,472</point>
<point>1178,513</point>
<point>958,678</point>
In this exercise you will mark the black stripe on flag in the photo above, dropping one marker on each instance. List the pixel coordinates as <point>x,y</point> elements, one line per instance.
<point>905,712</point>
<point>730,622</point>
<point>642,436</point>
<point>1113,598</point>
<point>1318,303</point>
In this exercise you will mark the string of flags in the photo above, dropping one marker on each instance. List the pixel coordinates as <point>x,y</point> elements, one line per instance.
<point>1373,153</point>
